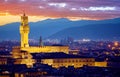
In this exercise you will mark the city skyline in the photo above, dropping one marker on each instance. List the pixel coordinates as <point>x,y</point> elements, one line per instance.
<point>43,9</point>
<point>59,38</point>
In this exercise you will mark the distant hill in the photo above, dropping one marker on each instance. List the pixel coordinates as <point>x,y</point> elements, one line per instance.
<point>94,32</point>
<point>51,27</point>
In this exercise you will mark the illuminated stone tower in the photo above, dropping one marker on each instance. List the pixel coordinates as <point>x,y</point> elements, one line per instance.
<point>24,31</point>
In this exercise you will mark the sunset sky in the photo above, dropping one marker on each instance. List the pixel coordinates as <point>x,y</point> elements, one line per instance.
<point>11,10</point>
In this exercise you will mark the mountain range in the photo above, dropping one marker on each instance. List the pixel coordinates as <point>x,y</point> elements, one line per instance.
<point>62,27</point>
<point>94,32</point>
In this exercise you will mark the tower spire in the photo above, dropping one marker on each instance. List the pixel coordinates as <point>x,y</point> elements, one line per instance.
<point>41,42</point>
<point>24,13</point>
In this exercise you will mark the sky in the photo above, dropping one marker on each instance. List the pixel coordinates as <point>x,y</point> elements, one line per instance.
<point>37,10</point>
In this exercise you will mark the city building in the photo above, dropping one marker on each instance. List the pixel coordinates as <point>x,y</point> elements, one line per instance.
<point>65,62</point>
<point>3,60</point>
<point>57,60</point>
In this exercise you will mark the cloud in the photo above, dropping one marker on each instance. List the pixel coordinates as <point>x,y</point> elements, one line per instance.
<point>98,9</point>
<point>57,4</point>
<point>72,9</point>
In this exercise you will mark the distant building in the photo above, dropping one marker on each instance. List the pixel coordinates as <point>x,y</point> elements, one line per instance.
<point>6,60</point>
<point>76,62</point>
<point>58,60</point>
<point>75,52</point>
<point>101,63</point>
<point>3,60</point>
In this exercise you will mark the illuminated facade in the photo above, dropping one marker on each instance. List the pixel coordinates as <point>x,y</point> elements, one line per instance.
<point>101,64</point>
<point>76,62</point>
<point>74,52</point>
<point>46,49</point>
<point>22,57</point>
